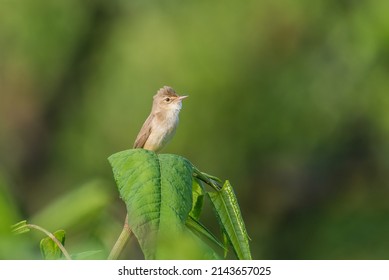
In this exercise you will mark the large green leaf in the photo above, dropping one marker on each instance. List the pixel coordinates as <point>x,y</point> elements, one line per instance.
<point>157,190</point>
<point>228,212</point>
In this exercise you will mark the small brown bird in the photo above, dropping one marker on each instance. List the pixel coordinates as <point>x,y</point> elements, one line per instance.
<point>162,122</point>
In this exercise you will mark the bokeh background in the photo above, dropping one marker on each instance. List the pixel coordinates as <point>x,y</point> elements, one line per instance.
<point>288,100</point>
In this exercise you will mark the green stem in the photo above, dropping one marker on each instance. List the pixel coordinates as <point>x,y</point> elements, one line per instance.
<point>210,180</point>
<point>121,242</point>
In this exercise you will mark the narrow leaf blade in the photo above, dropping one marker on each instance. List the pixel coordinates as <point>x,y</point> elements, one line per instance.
<point>200,229</point>
<point>227,209</point>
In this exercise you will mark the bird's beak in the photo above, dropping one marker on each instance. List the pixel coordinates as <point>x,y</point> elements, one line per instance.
<point>182,97</point>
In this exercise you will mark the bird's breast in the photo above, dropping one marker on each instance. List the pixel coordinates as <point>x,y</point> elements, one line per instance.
<point>163,129</point>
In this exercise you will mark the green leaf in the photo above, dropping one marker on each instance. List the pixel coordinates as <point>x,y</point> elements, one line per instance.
<point>50,250</point>
<point>201,230</point>
<point>20,227</point>
<point>230,218</point>
<point>225,243</point>
<point>157,190</point>
<point>197,198</point>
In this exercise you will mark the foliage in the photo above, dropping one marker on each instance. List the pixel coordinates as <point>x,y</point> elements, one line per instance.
<point>228,213</point>
<point>49,249</point>
<point>163,209</point>
<point>52,247</point>
<point>158,193</point>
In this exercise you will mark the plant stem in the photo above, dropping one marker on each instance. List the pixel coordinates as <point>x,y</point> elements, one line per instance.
<point>52,237</point>
<point>210,180</point>
<point>121,242</point>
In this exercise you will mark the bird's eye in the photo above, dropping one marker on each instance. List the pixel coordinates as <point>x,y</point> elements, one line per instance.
<point>167,99</point>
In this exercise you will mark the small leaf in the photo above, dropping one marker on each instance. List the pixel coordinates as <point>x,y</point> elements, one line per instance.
<point>50,250</point>
<point>197,198</point>
<point>230,218</point>
<point>20,227</point>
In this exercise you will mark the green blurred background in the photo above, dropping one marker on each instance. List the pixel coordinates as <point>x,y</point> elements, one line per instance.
<point>288,100</point>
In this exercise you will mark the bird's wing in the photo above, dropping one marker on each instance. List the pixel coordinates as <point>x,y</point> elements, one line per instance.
<point>144,133</point>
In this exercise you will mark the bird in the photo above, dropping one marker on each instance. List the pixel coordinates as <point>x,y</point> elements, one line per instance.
<point>160,126</point>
